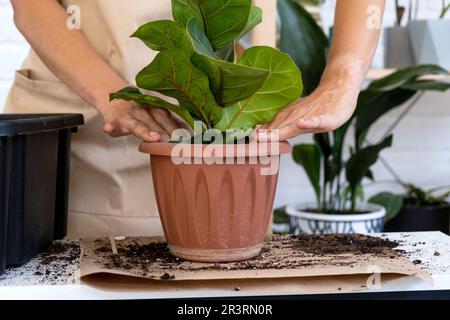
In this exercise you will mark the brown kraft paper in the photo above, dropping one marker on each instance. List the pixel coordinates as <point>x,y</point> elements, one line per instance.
<point>284,266</point>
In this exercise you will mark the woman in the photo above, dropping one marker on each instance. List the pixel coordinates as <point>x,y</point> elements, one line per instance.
<point>71,70</point>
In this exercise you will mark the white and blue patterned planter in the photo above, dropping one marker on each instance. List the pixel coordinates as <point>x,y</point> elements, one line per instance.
<point>303,222</point>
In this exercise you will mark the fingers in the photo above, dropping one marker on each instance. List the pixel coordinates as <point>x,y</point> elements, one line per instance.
<point>286,130</point>
<point>141,131</point>
<point>134,127</point>
<point>115,130</point>
<point>312,123</point>
<point>131,118</point>
<point>145,118</point>
<point>282,134</point>
<point>164,119</point>
<point>317,124</point>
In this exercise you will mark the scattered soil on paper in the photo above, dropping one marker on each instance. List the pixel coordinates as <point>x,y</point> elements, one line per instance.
<point>153,260</point>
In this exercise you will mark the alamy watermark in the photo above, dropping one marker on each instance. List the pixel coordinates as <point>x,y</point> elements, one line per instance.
<point>233,147</point>
<point>375,17</point>
<point>374,280</point>
<point>73,21</point>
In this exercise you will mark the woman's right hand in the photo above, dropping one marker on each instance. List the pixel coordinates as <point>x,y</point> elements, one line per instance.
<point>124,118</point>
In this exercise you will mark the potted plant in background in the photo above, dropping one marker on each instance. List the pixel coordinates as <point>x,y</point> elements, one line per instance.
<point>429,39</point>
<point>337,182</point>
<point>336,179</point>
<point>416,209</point>
<point>398,50</point>
<point>216,209</point>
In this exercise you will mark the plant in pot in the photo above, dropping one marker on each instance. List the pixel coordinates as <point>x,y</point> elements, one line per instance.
<point>214,196</point>
<point>416,209</point>
<point>337,179</point>
<point>429,39</point>
<point>305,41</point>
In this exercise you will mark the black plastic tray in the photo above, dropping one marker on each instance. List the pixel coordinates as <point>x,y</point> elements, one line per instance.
<point>34,180</point>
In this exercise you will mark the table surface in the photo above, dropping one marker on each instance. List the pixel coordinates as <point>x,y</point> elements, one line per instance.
<point>431,248</point>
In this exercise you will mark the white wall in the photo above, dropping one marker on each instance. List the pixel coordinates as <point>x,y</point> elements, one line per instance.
<point>421,151</point>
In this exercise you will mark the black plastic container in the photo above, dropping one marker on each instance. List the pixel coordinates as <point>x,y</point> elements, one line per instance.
<point>427,218</point>
<point>5,161</point>
<point>34,179</point>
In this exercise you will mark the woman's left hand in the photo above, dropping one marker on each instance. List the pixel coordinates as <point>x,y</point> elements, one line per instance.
<point>326,109</point>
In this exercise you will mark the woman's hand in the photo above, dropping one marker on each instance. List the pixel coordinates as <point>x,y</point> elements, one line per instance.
<point>325,110</point>
<point>124,118</point>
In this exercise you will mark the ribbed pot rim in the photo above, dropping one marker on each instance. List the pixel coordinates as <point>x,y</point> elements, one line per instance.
<point>248,150</point>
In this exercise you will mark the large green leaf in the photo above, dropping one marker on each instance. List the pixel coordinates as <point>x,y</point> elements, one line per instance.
<point>228,52</point>
<point>331,170</point>
<point>372,105</point>
<point>390,92</point>
<point>360,162</point>
<point>133,94</point>
<point>222,20</point>
<point>304,40</point>
<point>338,143</point>
<point>309,157</point>
<point>164,34</point>
<point>185,10</point>
<point>282,87</point>
<point>391,202</point>
<point>199,39</point>
<point>428,85</point>
<point>229,82</point>
<point>403,76</point>
<point>254,19</point>
<point>172,74</point>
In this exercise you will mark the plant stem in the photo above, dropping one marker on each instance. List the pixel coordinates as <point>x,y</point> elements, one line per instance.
<point>405,112</point>
<point>353,200</point>
<point>439,188</point>
<point>445,9</point>
<point>391,129</point>
<point>337,195</point>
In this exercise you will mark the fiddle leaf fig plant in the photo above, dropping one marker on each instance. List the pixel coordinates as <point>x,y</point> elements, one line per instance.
<point>197,66</point>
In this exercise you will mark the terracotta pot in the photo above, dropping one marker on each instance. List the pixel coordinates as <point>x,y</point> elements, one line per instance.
<point>216,212</point>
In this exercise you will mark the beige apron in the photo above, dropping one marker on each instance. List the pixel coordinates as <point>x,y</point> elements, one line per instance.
<point>111,191</point>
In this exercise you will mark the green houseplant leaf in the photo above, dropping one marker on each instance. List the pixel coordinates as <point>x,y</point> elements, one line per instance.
<point>360,162</point>
<point>309,157</point>
<point>221,20</point>
<point>133,94</point>
<point>164,34</point>
<point>229,82</point>
<point>199,39</point>
<point>391,202</point>
<point>403,76</point>
<point>254,19</point>
<point>171,73</point>
<point>220,93</point>
<point>304,41</point>
<point>372,105</point>
<point>428,85</point>
<point>282,87</point>
<point>390,92</point>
